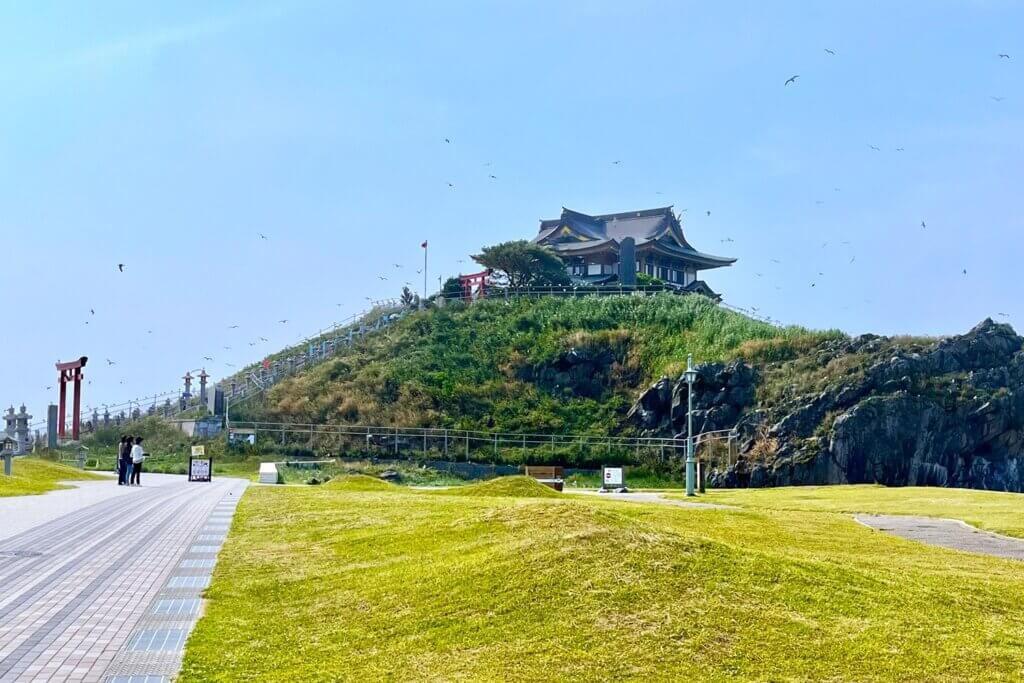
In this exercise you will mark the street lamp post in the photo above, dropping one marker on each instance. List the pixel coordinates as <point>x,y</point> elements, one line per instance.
<point>690,375</point>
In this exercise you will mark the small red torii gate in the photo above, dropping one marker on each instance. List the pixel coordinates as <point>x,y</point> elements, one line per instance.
<point>71,372</point>
<point>477,281</point>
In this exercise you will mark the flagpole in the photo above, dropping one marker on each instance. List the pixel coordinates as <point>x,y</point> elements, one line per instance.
<point>424,297</point>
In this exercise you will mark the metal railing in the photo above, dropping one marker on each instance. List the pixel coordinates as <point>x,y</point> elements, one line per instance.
<point>443,441</point>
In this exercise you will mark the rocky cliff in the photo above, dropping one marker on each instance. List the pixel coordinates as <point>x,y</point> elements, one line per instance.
<point>946,412</point>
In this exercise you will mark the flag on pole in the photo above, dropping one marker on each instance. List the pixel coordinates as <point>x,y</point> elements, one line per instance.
<point>424,245</point>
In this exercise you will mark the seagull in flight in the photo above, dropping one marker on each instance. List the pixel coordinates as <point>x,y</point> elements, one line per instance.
<point>1004,315</point>
<point>792,79</point>
<point>997,99</point>
<point>831,52</point>
<point>233,327</point>
<point>396,265</point>
<point>923,225</point>
<point>381,277</point>
<point>227,348</point>
<point>451,185</point>
<point>120,267</point>
<point>448,141</point>
<point>263,339</point>
<point>875,147</point>
<point>709,212</point>
<point>110,362</point>
<point>965,271</point>
<point>775,260</point>
<point>727,239</point>
<point>853,259</point>
<point>616,162</point>
<point>207,358</point>
<point>493,177</point>
<point>1003,55</point>
<point>262,236</point>
<point>92,311</point>
<point>283,322</point>
<point>899,149</point>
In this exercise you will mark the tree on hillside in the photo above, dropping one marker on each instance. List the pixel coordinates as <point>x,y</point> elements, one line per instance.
<point>409,299</point>
<point>523,264</point>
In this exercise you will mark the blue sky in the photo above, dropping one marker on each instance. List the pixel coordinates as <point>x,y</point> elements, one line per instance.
<point>167,137</point>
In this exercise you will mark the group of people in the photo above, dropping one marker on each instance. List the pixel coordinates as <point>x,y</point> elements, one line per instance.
<point>130,457</point>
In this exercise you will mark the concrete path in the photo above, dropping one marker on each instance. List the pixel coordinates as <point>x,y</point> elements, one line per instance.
<point>947,533</point>
<point>642,497</point>
<point>106,584</point>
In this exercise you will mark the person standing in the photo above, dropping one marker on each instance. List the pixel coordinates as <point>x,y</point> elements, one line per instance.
<point>138,457</point>
<point>122,461</point>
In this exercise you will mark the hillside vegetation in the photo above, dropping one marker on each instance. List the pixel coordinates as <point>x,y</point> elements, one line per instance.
<point>533,365</point>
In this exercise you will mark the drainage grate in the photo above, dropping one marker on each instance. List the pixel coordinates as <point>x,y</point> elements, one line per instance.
<point>205,549</point>
<point>189,582</point>
<point>159,640</point>
<point>20,553</point>
<point>198,564</point>
<point>176,607</point>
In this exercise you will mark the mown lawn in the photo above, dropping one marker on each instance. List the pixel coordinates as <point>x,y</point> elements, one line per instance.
<point>363,583</point>
<point>30,476</point>
<point>991,510</point>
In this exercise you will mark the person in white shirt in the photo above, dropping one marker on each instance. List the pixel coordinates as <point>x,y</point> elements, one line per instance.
<point>138,456</point>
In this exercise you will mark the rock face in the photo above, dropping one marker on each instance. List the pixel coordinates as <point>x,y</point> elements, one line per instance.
<point>949,413</point>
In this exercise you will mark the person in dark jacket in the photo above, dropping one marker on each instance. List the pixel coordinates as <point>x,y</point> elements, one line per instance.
<point>122,460</point>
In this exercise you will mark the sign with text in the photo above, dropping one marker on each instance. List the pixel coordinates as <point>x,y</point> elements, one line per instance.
<point>200,469</point>
<point>198,451</point>
<point>613,477</point>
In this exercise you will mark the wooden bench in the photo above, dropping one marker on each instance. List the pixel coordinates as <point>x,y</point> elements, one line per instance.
<point>548,475</point>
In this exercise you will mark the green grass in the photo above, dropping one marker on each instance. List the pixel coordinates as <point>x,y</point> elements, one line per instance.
<point>991,510</point>
<point>31,476</point>
<point>508,487</point>
<point>492,365</point>
<point>332,585</point>
<point>357,482</point>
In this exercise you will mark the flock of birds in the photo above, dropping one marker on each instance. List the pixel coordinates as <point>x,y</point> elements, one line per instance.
<point>792,80</point>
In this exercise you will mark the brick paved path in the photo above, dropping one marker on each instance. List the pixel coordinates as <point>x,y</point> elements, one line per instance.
<point>86,596</point>
<point>948,533</point>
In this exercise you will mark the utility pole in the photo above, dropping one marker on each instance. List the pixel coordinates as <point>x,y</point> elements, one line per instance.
<point>691,376</point>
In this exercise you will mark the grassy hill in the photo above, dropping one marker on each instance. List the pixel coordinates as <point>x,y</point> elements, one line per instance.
<point>534,365</point>
<point>31,476</point>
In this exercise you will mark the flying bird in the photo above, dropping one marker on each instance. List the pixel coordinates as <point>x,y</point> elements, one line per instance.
<point>616,162</point>
<point>381,277</point>
<point>923,225</point>
<point>110,362</point>
<point>775,260</point>
<point>120,267</point>
<point>727,239</point>
<point>494,177</point>
<point>207,358</point>
<point>792,79</point>
<point>1005,315</point>
<point>283,322</point>
<point>853,259</point>
<point>92,311</point>
<point>397,265</point>
<point>709,213</point>
<point>149,331</point>
<point>997,99</point>
<point>233,327</point>
<point>965,271</point>
<point>1003,55</point>
<point>262,236</point>
<point>451,185</point>
<point>227,348</point>
<point>831,52</point>
<point>420,270</point>
<point>899,149</point>
<point>876,148</point>
<point>263,339</point>
<point>448,141</point>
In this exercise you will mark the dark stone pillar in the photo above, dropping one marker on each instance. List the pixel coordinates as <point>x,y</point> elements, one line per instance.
<point>627,262</point>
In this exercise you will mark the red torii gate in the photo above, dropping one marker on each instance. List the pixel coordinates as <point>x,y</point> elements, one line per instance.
<point>71,372</point>
<point>474,285</point>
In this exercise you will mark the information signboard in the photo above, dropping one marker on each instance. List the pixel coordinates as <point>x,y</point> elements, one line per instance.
<point>200,468</point>
<point>613,478</point>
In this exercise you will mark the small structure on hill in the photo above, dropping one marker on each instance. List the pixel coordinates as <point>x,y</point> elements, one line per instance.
<point>612,248</point>
<point>17,429</point>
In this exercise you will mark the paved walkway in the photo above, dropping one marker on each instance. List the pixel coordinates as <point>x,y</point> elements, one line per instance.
<point>947,533</point>
<point>109,586</point>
